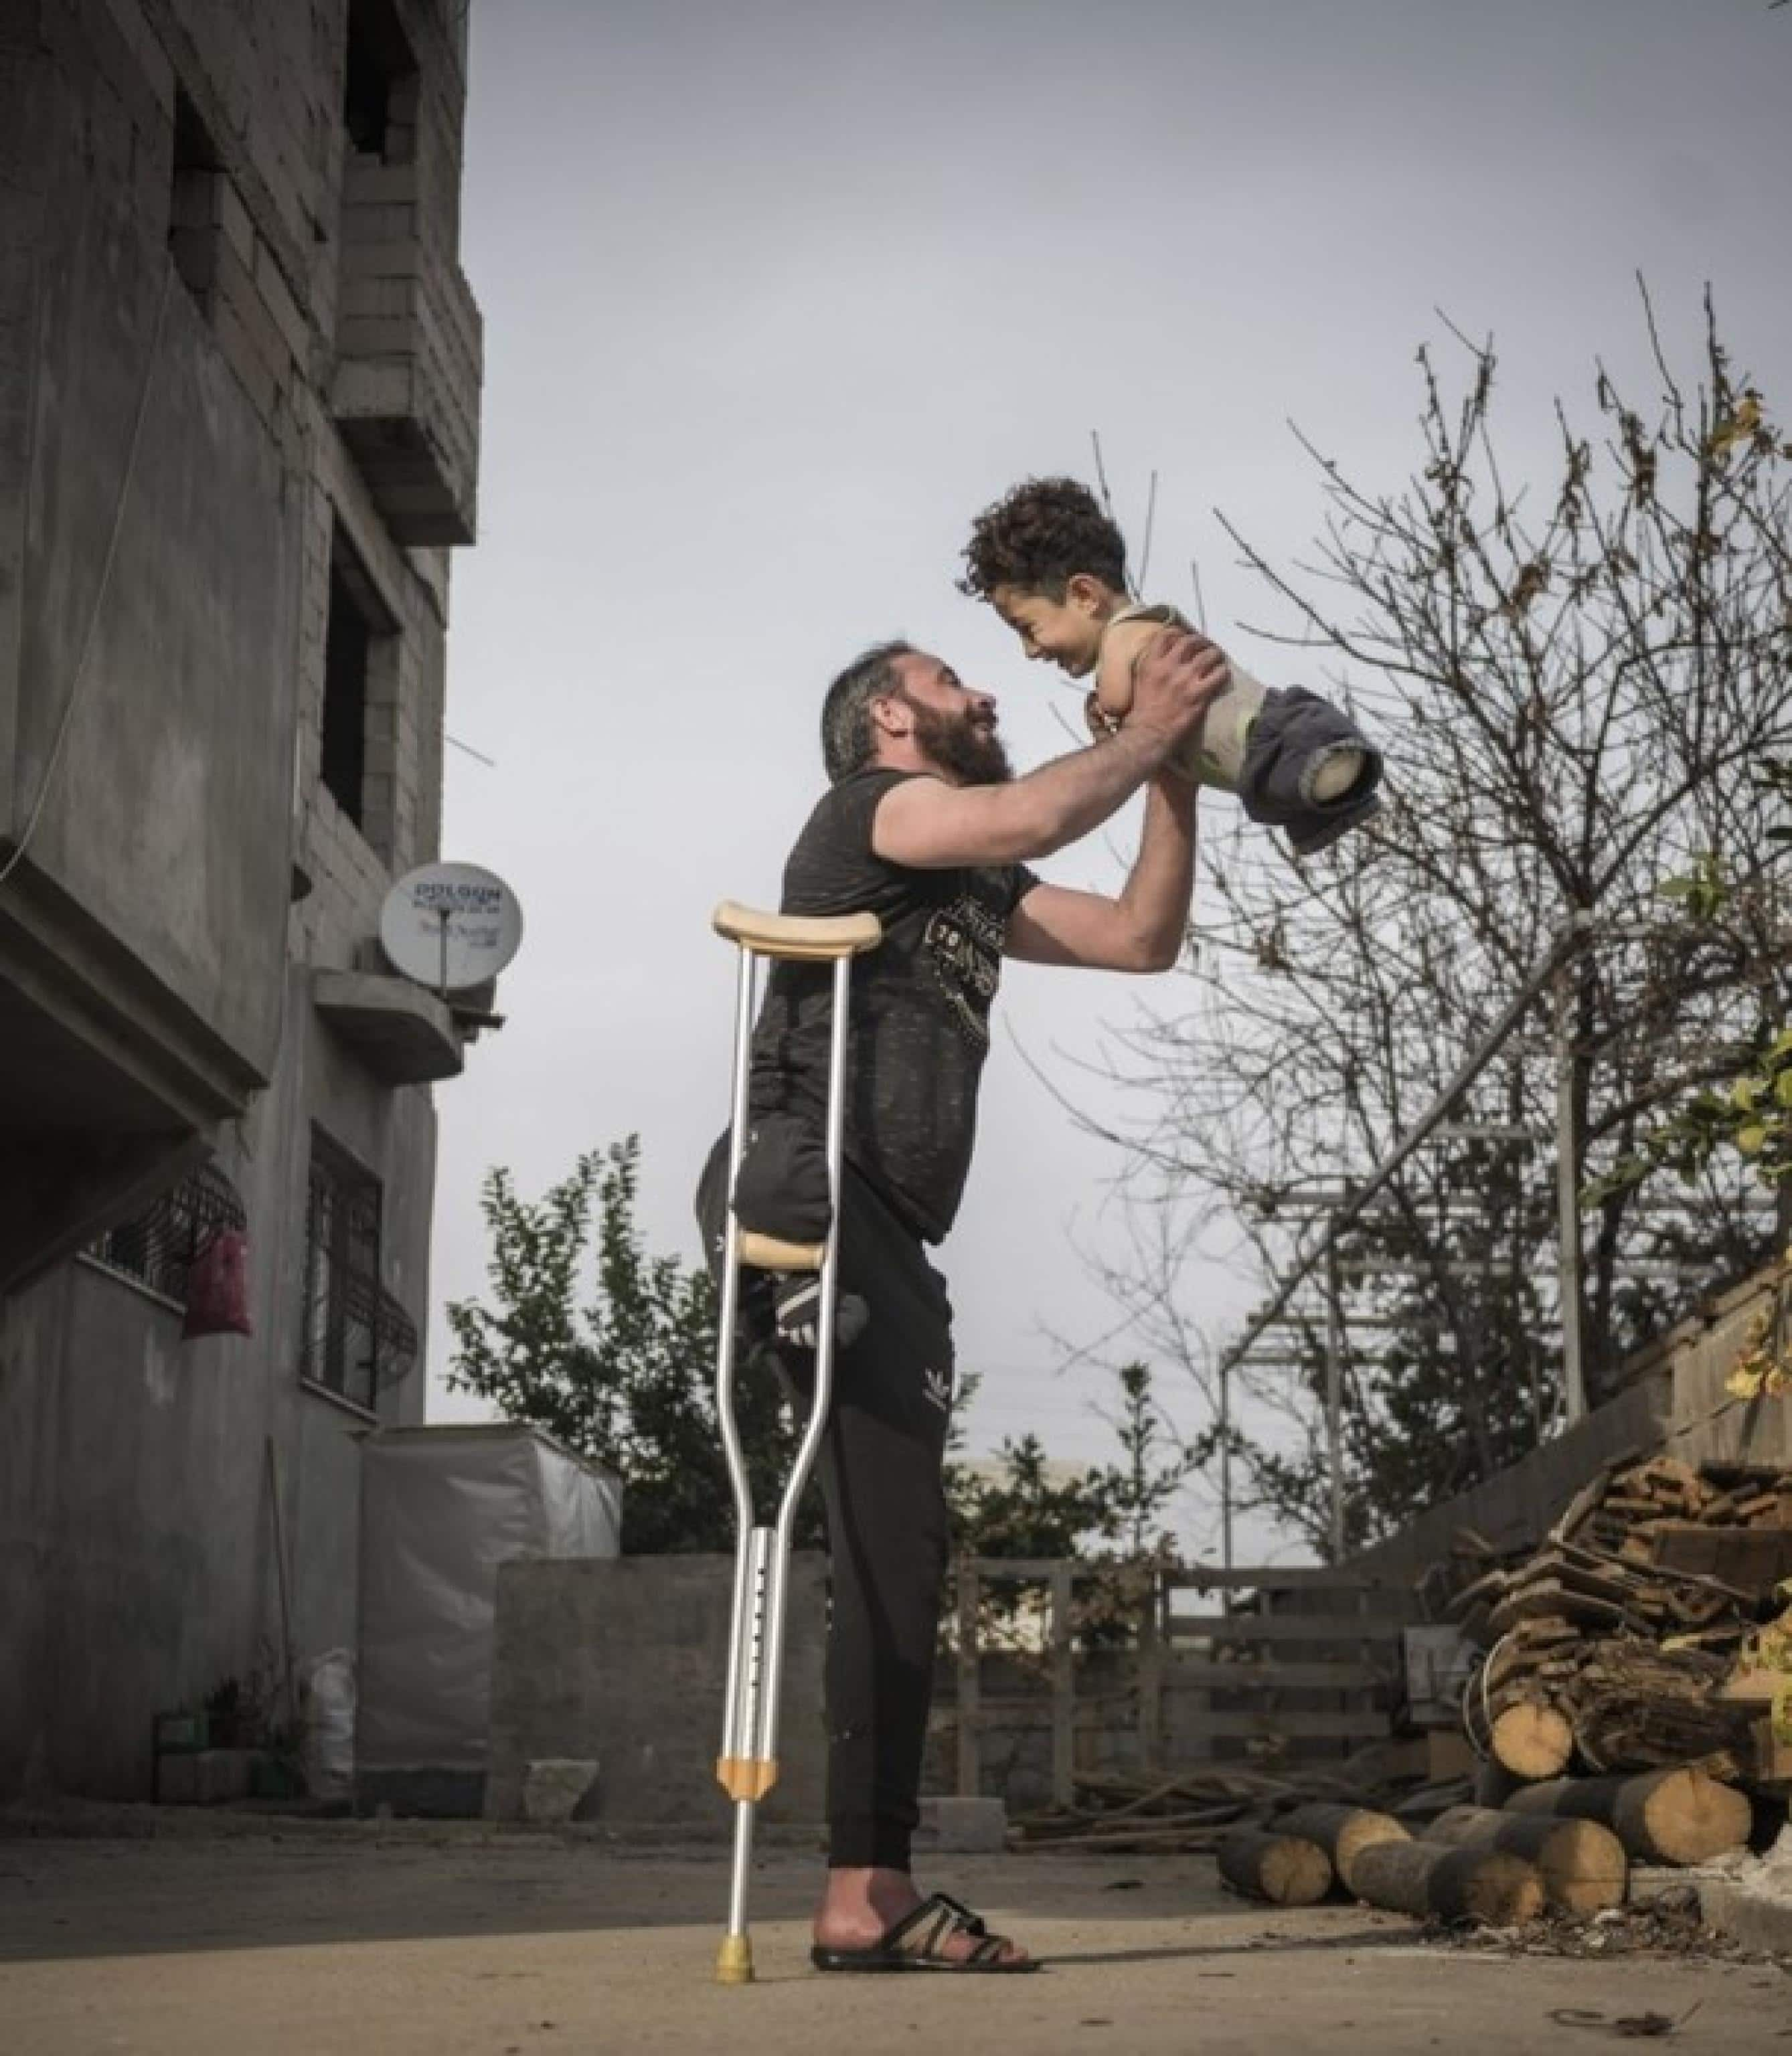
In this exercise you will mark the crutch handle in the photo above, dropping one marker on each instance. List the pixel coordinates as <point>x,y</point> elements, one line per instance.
<point>766,1252</point>
<point>809,938</point>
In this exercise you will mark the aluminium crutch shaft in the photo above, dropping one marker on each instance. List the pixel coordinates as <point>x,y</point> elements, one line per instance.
<point>747,1766</point>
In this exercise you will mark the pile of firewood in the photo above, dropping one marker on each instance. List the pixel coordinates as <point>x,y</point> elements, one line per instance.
<point>1611,1646</point>
<point>1566,1847</point>
<point>1645,1645</point>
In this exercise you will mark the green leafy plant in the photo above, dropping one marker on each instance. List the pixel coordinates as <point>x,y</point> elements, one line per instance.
<point>622,1370</point>
<point>1751,1112</point>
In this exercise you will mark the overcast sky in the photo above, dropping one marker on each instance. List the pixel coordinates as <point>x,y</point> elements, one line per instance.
<point>777,296</point>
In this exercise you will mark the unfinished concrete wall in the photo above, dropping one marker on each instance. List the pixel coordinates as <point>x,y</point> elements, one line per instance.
<point>626,1661</point>
<point>171,176</point>
<point>177,751</point>
<point>1672,1398</point>
<point>141,1592</point>
<point>1515,1508</point>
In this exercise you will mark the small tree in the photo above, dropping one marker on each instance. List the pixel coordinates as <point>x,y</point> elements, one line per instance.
<point>1023,1511</point>
<point>627,1376</point>
<point>1155,1465</point>
<point>1106,1515</point>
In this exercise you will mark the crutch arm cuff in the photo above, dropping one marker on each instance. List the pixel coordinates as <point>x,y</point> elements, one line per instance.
<point>810,938</point>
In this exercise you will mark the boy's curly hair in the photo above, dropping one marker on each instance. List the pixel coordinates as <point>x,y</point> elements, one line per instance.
<point>1038,536</point>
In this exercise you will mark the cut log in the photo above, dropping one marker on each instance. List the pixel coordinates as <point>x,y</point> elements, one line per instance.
<point>1343,1832</point>
<point>1285,1869</point>
<point>1582,1865</point>
<point>1532,1740</point>
<point>1670,1816</point>
<point>1454,1885</point>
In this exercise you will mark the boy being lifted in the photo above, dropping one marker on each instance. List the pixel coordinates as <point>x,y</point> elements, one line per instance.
<point>1050,561</point>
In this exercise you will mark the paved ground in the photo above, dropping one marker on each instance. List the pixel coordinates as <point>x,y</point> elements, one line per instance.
<point>382,1942</point>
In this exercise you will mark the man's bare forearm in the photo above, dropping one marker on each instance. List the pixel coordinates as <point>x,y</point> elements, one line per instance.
<point>928,823</point>
<point>1063,800</point>
<point>1160,886</point>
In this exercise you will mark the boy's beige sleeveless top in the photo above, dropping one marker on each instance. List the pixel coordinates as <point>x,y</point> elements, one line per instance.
<point>1215,754</point>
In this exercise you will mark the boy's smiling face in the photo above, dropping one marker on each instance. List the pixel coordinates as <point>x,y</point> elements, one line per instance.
<point>1066,632</point>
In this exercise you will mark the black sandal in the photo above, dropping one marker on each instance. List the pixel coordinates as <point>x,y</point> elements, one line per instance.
<point>913,1943</point>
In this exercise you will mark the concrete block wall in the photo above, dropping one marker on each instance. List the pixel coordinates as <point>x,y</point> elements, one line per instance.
<point>626,1660</point>
<point>1671,1397</point>
<point>136,1563</point>
<point>352,867</point>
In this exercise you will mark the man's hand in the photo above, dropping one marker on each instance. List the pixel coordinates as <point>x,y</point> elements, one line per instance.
<point>1175,681</point>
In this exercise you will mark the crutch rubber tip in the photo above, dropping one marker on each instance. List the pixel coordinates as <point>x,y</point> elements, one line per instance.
<point>734,1965</point>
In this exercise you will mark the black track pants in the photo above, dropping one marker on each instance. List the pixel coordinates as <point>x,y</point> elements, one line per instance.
<point>881,1462</point>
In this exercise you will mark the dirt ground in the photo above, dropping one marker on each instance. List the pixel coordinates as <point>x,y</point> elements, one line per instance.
<point>382,1940</point>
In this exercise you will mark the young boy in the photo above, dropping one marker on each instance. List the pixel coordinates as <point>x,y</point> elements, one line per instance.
<point>1052,564</point>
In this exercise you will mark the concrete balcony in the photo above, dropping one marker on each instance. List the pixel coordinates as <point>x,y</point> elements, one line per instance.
<point>404,1035</point>
<point>409,358</point>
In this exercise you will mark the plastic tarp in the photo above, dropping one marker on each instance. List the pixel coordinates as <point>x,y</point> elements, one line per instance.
<point>441,1509</point>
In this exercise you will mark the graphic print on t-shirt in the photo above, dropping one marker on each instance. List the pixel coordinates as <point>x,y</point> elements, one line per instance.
<point>962,945</point>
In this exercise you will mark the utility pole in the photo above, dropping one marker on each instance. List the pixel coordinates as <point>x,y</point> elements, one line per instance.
<point>1568,1193</point>
<point>1225,1464</point>
<point>1334,1400</point>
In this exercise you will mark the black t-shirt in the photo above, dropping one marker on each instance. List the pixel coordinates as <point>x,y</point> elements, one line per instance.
<point>920,1004</point>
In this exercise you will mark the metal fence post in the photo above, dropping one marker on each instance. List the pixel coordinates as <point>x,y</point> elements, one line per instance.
<point>1225,1462</point>
<point>970,1767</point>
<point>1151,1673</point>
<point>1063,1691</point>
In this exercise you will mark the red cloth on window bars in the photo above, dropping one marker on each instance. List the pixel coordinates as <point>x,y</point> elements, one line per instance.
<point>217,1287</point>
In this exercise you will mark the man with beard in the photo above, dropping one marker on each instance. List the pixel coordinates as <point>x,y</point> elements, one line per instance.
<point>925,826</point>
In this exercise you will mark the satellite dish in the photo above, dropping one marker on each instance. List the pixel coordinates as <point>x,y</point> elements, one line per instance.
<point>450,926</point>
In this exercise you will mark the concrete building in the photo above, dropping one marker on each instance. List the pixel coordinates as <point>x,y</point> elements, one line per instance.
<point>240,371</point>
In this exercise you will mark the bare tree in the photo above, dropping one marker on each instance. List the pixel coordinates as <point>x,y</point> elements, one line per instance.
<point>1582,687</point>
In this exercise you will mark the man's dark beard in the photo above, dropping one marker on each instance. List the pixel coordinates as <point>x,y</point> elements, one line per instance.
<point>961,746</point>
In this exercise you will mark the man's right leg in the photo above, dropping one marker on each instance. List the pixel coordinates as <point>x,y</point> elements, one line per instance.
<point>888,1542</point>
<point>881,1463</point>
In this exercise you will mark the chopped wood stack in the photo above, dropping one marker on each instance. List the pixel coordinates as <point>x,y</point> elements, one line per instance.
<point>1638,1639</point>
<point>1665,1816</point>
<point>1567,1844</point>
<point>1608,1644</point>
<point>1647,1641</point>
<point>1582,1865</point>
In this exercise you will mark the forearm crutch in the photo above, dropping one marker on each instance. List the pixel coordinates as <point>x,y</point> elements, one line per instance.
<point>747,1767</point>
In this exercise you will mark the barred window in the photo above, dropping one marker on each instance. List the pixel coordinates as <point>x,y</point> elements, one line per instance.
<point>155,1249</point>
<point>355,1339</point>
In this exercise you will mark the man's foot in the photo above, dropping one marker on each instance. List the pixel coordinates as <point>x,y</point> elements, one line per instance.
<point>859,1910</point>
